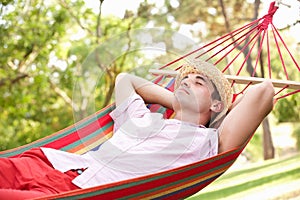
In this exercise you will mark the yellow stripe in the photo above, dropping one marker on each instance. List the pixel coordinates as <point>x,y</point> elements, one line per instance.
<point>164,192</point>
<point>95,144</point>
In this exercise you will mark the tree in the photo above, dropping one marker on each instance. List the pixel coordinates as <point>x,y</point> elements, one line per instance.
<point>41,55</point>
<point>30,31</point>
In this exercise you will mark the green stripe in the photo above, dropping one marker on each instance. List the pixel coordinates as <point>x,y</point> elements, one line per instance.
<point>52,138</point>
<point>181,181</point>
<point>88,137</point>
<point>128,185</point>
<point>161,110</point>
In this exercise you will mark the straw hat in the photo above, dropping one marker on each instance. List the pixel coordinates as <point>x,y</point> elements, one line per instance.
<point>214,75</point>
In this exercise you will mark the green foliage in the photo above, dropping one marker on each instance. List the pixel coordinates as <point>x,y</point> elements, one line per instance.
<point>30,30</point>
<point>208,13</point>
<point>287,109</point>
<point>41,54</point>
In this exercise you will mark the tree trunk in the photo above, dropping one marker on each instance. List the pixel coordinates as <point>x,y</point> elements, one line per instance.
<point>269,151</point>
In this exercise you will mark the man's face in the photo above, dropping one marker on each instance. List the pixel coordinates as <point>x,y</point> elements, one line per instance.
<point>194,93</point>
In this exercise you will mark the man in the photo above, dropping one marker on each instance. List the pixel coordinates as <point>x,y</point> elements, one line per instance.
<point>144,142</point>
<point>206,99</point>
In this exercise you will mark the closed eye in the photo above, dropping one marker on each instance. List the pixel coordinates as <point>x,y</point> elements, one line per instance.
<point>201,80</point>
<point>184,77</point>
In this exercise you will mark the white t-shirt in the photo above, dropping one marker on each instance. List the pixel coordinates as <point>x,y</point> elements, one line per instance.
<point>143,143</point>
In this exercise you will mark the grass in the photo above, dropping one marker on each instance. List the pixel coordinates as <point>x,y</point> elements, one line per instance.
<point>274,179</point>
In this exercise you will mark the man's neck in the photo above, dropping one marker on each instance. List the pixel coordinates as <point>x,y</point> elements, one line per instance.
<point>191,117</point>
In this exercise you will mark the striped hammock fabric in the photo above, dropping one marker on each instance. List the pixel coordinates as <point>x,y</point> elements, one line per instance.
<point>91,132</point>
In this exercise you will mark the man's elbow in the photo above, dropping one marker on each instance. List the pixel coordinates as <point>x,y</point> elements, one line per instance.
<point>266,92</point>
<point>268,89</point>
<point>121,76</point>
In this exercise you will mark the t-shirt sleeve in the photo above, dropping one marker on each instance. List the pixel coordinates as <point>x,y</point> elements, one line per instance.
<point>133,107</point>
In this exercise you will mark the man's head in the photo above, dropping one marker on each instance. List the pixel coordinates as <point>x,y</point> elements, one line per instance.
<point>216,97</point>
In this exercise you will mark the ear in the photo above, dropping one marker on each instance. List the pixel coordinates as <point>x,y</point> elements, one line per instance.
<point>217,106</point>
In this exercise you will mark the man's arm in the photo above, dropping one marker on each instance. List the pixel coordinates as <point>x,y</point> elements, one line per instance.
<point>127,84</point>
<point>246,116</point>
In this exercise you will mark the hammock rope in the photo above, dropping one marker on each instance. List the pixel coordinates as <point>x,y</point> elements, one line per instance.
<point>245,39</point>
<point>181,182</point>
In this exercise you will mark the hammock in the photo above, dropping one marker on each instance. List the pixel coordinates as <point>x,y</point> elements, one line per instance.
<point>181,182</point>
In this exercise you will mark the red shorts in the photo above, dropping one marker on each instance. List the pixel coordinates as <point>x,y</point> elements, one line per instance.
<point>32,175</point>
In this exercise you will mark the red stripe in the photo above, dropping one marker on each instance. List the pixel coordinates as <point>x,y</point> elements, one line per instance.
<point>78,134</point>
<point>159,182</point>
<point>197,182</point>
<point>56,143</point>
<point>91,141</point>
<point>192,190</point>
